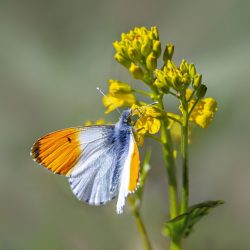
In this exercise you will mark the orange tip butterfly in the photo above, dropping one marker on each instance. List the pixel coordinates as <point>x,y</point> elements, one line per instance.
<point>101,162</point>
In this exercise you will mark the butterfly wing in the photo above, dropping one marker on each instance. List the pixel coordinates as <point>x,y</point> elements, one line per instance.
<point>91,178</point>
<point>58,151</point>
<point>89,157</point>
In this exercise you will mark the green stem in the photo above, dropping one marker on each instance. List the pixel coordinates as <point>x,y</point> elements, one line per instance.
<point>184,154</point>
<point>142,92</point>
<point>175,245</point>
<point>155,138</point>
<point>140,224</point>
<point>191,110</point>
<point>173,118</point>
<point>170,166</point>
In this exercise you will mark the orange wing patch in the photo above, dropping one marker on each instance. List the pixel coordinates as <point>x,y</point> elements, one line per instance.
<point>58,151</point>
<point>134,169</point>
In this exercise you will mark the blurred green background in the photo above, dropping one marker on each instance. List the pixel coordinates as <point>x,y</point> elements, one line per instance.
<point>53,54</point>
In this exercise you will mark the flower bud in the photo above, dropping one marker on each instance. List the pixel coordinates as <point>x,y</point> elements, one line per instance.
<point>161,85</point>
<point>201,91</point>
<point>192,70</point>
<point>136,71</point>
<point>117,46</point>
<point>170,65</point>
<point>151,61</point>
<point>157,48</point>
<point>133,54</point>
<point>186,79</point>
<point>184,66</point>
<point>155,34</point>
<point>168,53</point>
<point>136,44</point>
<point>146,46</point>
<point>122,60</point>
<point>160,75</point>
<point>197,81</point>
<point>172,81</point>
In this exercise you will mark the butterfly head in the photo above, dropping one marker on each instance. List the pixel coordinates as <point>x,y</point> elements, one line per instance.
<point>126,117</point>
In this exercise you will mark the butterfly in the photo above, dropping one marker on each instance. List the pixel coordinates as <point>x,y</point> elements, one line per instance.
<point>101,162</point>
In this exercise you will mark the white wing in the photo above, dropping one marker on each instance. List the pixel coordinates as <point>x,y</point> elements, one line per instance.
<point>91,178</point>
<point>125,176</point>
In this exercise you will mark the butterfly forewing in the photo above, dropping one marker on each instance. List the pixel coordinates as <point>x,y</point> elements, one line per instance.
<point>58,151</point>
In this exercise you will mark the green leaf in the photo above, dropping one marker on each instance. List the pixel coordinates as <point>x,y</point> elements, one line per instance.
<point>182,225</point>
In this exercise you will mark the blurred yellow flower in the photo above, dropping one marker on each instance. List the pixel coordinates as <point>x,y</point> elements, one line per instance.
<point>98,122</point>
<point>111,102</point>
<point>118,87</point>
<point>120,94</point>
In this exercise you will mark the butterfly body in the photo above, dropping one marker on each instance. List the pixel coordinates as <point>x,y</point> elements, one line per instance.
<point>101,162</point>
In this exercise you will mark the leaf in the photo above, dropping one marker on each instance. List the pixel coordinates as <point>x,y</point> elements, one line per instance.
<point>182,225</point>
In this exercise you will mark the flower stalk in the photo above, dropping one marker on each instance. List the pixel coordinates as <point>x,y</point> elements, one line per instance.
<point>140,224</point>
<point>170,165</point>
<point>184,154</point>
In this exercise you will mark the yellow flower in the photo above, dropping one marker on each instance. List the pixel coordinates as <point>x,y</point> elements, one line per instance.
<point>148,121</point>
<point>117,87</point>
<point>111,102</point>
<point>120,94</point>
<point>98,122</point>
<point>204,110</point>
<point>139,138</point>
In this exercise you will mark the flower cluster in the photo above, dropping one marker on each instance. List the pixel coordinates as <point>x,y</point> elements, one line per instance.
<point>138,51</point>
<point>177,78</point>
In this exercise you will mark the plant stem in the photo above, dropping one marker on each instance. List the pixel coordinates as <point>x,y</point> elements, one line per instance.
<point>175,245</point>
<point>142,92</point>
<point>184,154</point>
<point>170,165</point>
<point>140,224</point>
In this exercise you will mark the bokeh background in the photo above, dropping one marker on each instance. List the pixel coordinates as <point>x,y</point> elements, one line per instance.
<point>53,54</point>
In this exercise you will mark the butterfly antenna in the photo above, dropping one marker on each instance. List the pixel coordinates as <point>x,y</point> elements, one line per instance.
<point>110,101</point>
